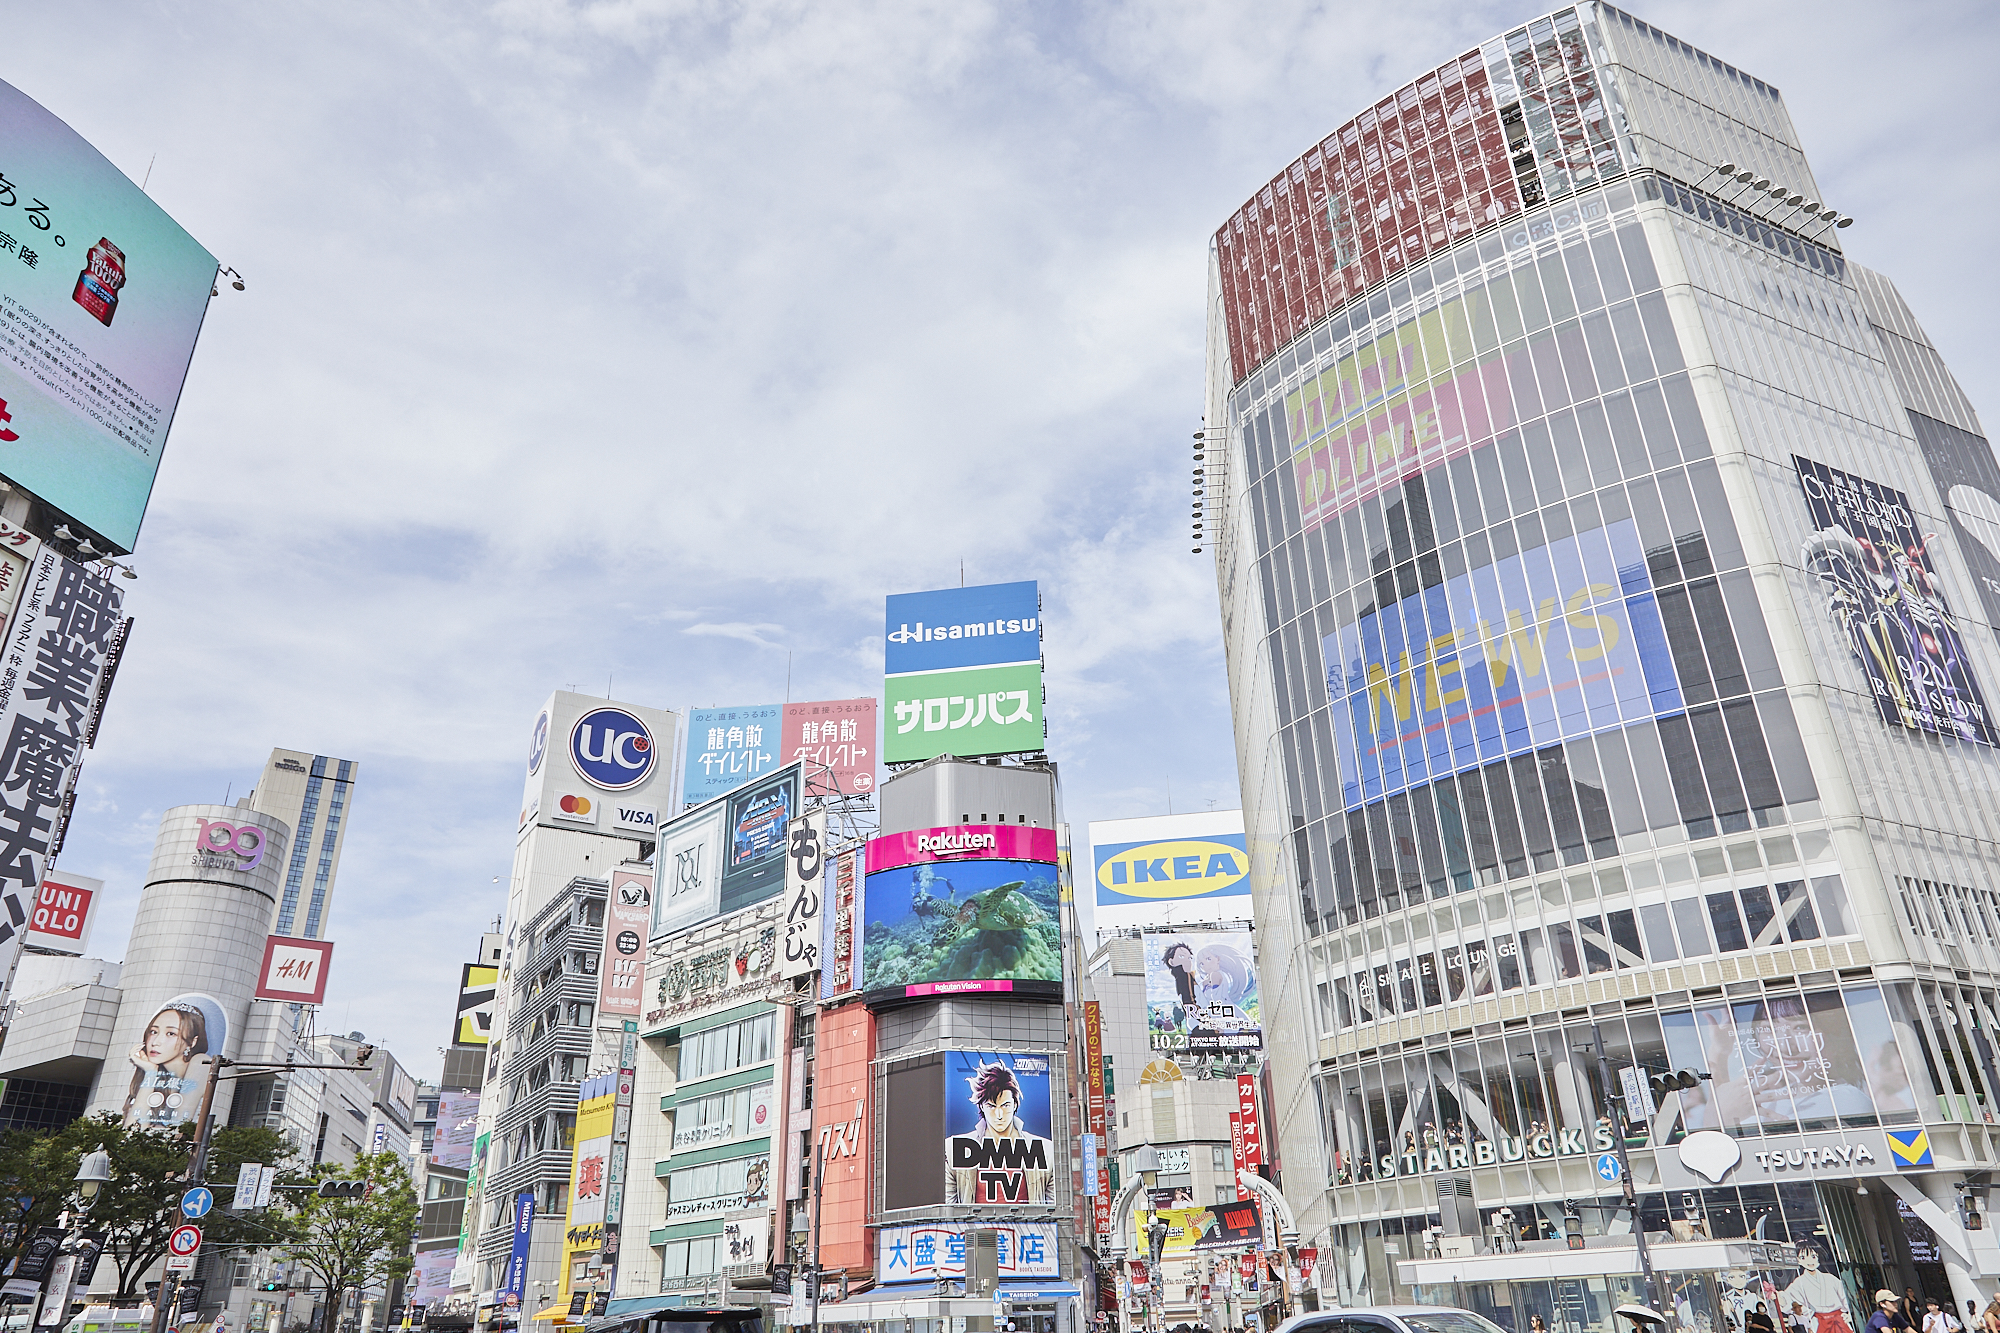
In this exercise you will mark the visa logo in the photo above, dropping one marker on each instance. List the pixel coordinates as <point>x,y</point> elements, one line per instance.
<point>636,817</point>
<point>1183,868</point>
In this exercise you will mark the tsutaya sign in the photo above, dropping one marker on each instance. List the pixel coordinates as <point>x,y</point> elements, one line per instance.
<point>1563,1142</point>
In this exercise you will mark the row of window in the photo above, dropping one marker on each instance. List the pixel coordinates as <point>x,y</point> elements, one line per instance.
<point>731,1046</point>
<point>1779,1062</point>
<point>715,1186</point>
<point>724,1115</point>
<point>1587,943</point>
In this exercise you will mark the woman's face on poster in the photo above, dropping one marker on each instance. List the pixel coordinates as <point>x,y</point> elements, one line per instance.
<point>1211,970</point>
<point>168,1040</point>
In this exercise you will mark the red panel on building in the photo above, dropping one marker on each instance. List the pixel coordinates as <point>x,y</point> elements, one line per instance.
<point>1413,175</point>
<point>843,1128</point>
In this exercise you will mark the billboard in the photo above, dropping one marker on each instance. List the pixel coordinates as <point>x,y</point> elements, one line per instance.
<point>170,1062</point>
<point>805,886</point>
<point>600,766</point>
<point>1225,1226</point>
<point>430,1280</point>
<point>104,296</point>
<point>515,1285</point>
<point>725,855</point>
<point>1967,476</point>
<point>1096,1110</point>
<point>60,922</point>
<point>1548,644</point>
<point>294,970</point>
<point>476,986</point>
<point>66,632</point>
<point>928,1252</point>
<point>628,918</point>
<point>1201,992</point>
<point>1872,558</point>
<point>728,747</point>
<point>963,673</point>
<point>834,742</point>
<point>962,909</point>
<point>583,1230</point>
<point>999,1142</point>
<point>457,1123</point>
<point>1199,863</point>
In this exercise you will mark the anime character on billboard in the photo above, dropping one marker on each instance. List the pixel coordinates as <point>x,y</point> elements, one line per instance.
<point>1816,1294</point>
<point>998,1158</point>
<point>171,1061</point>
<point>1179,958</point>
<point>1882,591</point>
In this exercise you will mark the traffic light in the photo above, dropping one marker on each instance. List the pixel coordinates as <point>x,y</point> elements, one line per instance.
<point>270,1284</point>
<point>1679,1081</point>
<point>346,1189</point>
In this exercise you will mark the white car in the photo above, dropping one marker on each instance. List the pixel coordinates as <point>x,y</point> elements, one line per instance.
<point>1391,1319</point>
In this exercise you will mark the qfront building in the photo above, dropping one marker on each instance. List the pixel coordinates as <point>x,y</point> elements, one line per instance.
<point>1608,569</point>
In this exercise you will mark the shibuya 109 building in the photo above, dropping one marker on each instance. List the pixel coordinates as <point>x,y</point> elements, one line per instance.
<point>1610,572</point>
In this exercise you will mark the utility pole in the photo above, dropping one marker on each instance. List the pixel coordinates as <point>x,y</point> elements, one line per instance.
<point>819,1187</point>
<point>197,1167</point>
<point>1618,1123</point>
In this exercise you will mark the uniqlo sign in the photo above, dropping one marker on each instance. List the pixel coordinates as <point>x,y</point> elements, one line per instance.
<point>294,969</point>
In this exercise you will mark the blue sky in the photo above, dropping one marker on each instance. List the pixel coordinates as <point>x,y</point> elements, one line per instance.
<point>656,342</point>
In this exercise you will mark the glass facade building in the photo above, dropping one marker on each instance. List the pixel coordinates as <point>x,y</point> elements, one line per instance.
<point>1610,574</point>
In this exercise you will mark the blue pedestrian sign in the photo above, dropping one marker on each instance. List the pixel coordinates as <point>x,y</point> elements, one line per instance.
<point>197,1201</point>
<point>1607,1167</point>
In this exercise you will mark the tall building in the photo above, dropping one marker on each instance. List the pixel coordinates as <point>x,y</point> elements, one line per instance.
<point>599,774</point>
<point>1610,614</point>
<point>311,794</point>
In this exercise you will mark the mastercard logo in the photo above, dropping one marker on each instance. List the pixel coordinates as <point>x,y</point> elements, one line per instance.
<point>574,805</point>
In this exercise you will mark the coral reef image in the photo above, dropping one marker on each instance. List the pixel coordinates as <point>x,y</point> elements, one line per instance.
<point>961,921</point>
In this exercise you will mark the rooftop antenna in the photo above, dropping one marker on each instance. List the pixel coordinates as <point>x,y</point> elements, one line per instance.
<point>607,684</point>
<point>149,172</point>
<point>961,571</point>
<point>227,792</point>
<point>788,676</point>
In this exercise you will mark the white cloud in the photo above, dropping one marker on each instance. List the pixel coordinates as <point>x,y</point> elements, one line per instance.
<point>642,339</point>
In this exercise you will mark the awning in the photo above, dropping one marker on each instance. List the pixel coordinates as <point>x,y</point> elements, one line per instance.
<point>559,1313</point>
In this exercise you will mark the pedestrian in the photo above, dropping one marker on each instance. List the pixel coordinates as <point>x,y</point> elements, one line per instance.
<point>1991,1314</point>
<point>1887,1316</point>
<point>1757,1321</point>
<point>1936,1319</point>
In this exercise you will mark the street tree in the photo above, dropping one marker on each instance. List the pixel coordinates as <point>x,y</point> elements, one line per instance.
<point>139,1207</point>
<point>352,1243</point>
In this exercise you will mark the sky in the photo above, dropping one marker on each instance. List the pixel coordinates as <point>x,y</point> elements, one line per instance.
<point>643,346</point>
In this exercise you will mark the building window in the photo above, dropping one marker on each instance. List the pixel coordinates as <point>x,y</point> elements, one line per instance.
<point>681,1258</point>
<point>732,1046</point>
<point>715,1187</point>
<point>726,1115</point>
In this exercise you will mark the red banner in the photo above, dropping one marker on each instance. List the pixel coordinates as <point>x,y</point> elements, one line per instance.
<point>1093,1074</point>
<point>1238,1162</point>
<point>1253,1135</point>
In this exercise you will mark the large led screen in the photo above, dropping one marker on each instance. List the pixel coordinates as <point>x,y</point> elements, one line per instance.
<point>103,296</point>
<point>1548,644</point>
<point>965,909</point>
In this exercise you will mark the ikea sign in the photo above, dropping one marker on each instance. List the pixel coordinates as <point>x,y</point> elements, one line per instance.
<point>1213,866</point>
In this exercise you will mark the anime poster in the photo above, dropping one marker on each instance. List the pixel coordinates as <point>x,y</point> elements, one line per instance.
<point>1201,992</point>
<point>998,1131</point>
<point>1882,591</point>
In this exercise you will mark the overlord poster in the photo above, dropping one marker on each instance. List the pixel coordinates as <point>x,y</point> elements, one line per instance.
<point>1881,591</point>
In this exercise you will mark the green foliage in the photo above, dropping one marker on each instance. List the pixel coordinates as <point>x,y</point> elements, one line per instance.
<point>140,1206</point>
<point>350,1243</point>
